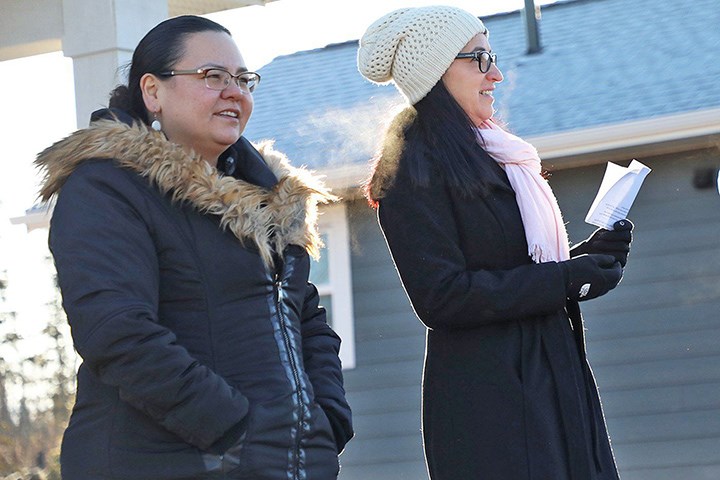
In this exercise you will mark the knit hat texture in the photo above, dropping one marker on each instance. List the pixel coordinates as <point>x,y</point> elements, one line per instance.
<point>414,47</point>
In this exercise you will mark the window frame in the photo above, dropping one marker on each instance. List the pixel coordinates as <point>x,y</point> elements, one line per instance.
<point>333,224</point>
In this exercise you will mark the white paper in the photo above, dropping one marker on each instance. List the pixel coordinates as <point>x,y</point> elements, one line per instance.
<point>617,192</point>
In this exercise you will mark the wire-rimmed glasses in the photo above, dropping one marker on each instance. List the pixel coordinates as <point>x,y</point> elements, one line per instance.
<point>219,79</point>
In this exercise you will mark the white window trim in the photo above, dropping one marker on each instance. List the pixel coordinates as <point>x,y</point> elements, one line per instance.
<point>333,223</point>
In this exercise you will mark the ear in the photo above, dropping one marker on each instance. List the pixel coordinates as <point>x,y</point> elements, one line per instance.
<point>150,87</point>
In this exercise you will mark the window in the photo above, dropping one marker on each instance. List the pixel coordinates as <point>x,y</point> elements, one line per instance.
<point>332,277</point>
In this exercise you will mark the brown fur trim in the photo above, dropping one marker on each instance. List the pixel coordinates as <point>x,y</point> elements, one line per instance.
<point>385,166</point>
<point>272,219</point>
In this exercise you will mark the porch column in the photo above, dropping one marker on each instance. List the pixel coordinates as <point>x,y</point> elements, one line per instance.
<point>100,36</point>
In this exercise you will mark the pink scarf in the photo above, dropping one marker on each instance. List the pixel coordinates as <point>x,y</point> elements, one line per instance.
<point>544,228</point>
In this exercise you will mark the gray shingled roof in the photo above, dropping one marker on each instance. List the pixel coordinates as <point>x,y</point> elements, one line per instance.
<point>603,62</point>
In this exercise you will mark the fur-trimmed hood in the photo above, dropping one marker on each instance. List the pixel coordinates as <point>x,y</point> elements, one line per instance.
<point>270,218</point>
<point>385,165</point>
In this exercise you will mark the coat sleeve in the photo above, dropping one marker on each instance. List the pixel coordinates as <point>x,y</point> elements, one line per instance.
<point>420,230</point>
<point>108,272</point>
<point>321,348</point>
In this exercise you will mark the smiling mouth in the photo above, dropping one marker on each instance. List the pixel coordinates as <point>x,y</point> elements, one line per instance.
<point>228,114</point>
<point>486,92</point>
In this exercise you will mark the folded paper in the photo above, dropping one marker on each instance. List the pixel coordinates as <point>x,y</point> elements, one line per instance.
<point>617,192</point>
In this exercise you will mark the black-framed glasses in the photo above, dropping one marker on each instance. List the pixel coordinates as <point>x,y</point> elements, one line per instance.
<point>219,79</point>
<point>484,58</point>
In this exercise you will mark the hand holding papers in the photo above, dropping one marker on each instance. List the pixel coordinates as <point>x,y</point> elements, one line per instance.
<point>617,192</point>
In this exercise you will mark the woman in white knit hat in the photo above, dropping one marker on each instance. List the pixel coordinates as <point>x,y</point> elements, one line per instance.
<point>481,248</point>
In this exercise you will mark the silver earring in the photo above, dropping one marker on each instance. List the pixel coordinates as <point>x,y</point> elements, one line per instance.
<point>156,125</point>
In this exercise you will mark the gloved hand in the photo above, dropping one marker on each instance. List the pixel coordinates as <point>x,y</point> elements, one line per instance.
<point>591,275</point>
<point>614,242</point>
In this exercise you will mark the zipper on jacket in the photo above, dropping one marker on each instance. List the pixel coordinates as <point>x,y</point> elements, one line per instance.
<point>295,375</point>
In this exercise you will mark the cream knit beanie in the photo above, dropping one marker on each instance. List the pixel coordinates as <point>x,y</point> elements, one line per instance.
<point>413,47</point>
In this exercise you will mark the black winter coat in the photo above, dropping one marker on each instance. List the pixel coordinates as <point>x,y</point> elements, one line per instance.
<point>507,391</point>
<point>195,335</point>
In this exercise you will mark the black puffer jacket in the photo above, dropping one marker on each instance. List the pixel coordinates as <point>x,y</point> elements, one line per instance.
<point>195,335</point>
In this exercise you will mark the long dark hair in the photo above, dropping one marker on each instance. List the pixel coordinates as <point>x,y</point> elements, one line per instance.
<point>442,140</point>
<point>157,52</point>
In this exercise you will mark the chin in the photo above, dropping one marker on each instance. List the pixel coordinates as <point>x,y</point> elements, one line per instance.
<point>478,120</point>
<point>485,116</point>
<point>228,139</point>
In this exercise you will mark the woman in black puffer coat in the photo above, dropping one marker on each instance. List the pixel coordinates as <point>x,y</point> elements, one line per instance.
<point>182,254</point>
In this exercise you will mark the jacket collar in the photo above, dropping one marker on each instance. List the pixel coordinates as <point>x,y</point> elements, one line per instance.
<point>244,162</point>
<point>273,214</point>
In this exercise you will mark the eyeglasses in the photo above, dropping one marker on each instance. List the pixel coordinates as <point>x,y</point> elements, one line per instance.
<point>485,59</point>
<point>219,79</point>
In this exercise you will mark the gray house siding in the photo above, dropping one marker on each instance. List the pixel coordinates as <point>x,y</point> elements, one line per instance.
<point>384,388</point>
<point>654,342</point>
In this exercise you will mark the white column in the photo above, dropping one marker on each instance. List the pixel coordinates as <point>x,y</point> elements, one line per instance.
<point>100,36</point>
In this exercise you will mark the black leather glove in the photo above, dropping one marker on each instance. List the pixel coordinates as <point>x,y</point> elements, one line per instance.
<point>614,242</point>
<point>591,275</point>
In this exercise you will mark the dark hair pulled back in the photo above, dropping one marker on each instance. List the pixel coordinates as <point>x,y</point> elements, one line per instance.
<point>157,52</point>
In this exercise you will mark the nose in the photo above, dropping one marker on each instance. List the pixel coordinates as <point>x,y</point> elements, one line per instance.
<point>239,96</point>
<point>233,90</point>
<point>494,74</point>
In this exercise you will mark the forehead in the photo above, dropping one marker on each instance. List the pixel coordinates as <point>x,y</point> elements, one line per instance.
<point>478,42</point>
<point>211,48</point>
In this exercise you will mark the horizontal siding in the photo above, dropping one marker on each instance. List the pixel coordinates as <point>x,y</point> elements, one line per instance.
<point>396,470</point>
<point>664,346</point>
<point>668,427</point>
<point>654,342</point>
<point>386,399</point>
<point>618,321</point>
<point>694,471</point>
<point>380,451</point>
<point>383,375</point>
<point>392,348</point>
<point>675,398</point>
<point>641,374</point>
<point>387,424</point>
<point>384,388</point>
<point>647,456</point>
<point>381,301</point>
<point>388,324</point>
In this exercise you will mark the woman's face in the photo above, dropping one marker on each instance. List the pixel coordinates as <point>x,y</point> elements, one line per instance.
<point>471,88</point>
<point>194,116</point>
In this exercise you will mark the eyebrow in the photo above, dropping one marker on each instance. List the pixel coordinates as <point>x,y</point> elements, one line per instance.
<point>481,49</point>
<point>221,67</point>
